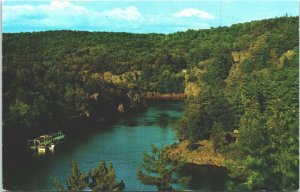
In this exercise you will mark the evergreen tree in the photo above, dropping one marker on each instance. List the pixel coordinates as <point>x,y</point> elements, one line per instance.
<point>77,181</point>
<point>158,169</point>
<point>217,135</point>
<point>101,178</point>
<point>253,135</point>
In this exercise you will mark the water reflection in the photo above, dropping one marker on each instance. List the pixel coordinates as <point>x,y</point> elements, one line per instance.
<point>163,120</point>
<point>205,177</point>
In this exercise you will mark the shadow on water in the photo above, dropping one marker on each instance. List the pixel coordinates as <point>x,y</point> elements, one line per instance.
<point>205,177</point>
<point>163,120</point>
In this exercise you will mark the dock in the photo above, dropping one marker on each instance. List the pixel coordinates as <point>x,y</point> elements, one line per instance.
<point>46,142</point>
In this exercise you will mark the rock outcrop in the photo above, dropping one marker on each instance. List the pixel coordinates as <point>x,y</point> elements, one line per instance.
<point>137,99</point>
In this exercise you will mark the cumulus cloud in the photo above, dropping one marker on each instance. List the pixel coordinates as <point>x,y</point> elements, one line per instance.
<point>192,12</point>
<point>129,13</point>
<point>65,14</point>
<point>57,15</point>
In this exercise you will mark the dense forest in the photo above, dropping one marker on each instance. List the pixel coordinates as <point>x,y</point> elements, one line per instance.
<point>243,77</point>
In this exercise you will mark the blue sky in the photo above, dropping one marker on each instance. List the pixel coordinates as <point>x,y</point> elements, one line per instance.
<point>138,16</point>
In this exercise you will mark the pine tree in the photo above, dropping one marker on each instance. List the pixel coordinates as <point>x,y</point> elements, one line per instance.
<point>158,169</point>
<point>101,178</point>
<point>77,181</point>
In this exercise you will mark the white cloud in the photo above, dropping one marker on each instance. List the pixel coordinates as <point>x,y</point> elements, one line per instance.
<point>66,14</point>
<point>57,15</point>
<point>129,13</point>
<point>192,12</point>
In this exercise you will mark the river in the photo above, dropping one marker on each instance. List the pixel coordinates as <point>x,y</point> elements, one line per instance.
<point>122,143</point>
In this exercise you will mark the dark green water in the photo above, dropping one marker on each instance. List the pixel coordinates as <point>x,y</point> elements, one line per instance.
<point>123,143</point>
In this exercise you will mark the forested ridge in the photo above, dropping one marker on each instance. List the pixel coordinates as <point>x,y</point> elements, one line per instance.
<point>242,77</point>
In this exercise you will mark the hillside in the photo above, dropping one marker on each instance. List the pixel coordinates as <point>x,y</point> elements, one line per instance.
<point>241,77</point>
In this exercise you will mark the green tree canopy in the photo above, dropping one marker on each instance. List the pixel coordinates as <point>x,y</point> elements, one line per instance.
<point>100,178</point>
<point>159,169</point>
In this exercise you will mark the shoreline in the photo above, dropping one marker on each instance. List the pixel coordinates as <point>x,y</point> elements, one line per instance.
<point>165,96</point>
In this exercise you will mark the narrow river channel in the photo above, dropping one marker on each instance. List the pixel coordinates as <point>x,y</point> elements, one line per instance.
<point>123,143</point>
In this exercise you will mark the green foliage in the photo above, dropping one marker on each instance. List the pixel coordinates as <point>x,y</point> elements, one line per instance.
<point>158,169</point>
<point>274,125</point>
<point>217,135</point>
<point>251,173</point>
<point>202,112</point>
<point>247,75</point>
<point>219,69</point>
<point>170,82</point>
<point>252,126</point>
<point>101,178</point>
<point>250,83</point>
<point>77,181</point>
<point>187,127</point>
<point>247,66</point>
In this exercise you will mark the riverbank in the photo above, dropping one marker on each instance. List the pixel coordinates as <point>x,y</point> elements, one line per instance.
<point>165,96</point>
<point>203,155</point>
